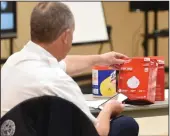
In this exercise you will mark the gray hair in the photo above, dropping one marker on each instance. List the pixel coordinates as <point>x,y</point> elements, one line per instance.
<point>49,20</point>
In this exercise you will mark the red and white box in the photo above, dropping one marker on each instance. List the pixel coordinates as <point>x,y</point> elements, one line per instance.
<point>137,79</point>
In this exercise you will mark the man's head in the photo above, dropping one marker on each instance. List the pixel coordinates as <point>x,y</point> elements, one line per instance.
<point>52,26</point>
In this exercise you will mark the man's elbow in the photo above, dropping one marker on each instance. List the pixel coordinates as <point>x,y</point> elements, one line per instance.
<point>102,130</point>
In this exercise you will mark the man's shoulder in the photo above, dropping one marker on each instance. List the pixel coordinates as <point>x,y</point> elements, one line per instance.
<point>19,56</point>
<point>13,58</point>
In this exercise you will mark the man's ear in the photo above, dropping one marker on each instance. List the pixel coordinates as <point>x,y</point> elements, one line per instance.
<point>65,36</point>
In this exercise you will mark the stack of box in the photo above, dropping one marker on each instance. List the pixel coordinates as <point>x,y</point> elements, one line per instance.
<point>142,79</point>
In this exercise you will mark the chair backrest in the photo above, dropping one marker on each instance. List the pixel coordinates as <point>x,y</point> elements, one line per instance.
<point>46,116</point>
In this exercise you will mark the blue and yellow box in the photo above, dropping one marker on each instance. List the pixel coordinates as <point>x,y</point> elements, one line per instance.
<point>103,81</point>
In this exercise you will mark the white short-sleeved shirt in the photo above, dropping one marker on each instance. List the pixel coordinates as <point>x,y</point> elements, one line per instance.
<point>34,72</point>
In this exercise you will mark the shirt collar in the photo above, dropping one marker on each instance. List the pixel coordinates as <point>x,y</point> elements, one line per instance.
<point>41,52</point>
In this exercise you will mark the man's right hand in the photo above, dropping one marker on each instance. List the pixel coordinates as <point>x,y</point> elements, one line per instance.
<point>114,107</point>
<point>111,108</point>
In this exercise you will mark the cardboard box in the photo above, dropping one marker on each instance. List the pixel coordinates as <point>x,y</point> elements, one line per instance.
<point>137,79</point>
<point>103,81</point>
<point>160,85</point>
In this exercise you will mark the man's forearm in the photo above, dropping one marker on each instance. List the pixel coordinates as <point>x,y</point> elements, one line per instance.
<point>76,64</point>
<point>103,125</point>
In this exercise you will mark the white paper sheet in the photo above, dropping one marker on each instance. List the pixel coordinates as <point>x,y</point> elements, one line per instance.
<point>95,104</point>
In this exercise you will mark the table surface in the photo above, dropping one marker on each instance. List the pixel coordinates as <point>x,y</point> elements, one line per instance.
<point>156,105</point>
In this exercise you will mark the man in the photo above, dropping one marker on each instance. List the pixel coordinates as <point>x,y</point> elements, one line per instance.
<point>42,68</point>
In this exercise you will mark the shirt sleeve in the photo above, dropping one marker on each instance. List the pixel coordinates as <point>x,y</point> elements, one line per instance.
<point>66,88</point>
<point>62,65</point>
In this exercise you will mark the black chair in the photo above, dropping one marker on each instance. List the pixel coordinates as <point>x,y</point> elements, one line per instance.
<point>46,116</point>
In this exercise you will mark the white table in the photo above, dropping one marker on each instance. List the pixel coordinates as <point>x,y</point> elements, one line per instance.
<point>160,108</point>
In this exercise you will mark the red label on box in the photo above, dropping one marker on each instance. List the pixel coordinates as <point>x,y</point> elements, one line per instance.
<point>137,79</point>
